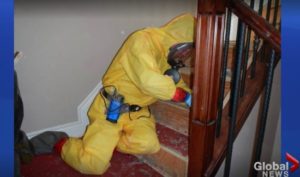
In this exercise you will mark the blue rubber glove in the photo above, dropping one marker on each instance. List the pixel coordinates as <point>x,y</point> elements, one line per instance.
<point>188,100</point>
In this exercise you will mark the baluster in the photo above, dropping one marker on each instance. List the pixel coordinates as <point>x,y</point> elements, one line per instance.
<point>263,51</point>
<point>223,72</point>
<point>256,43</point>
<point>280,25</point>
<point>269,10</point>
<point>246,56</point>
<point>260,7</point>
<point>234,96</point>
<point>257,149</point>
<point>254,57</point>
<point>275,12</point>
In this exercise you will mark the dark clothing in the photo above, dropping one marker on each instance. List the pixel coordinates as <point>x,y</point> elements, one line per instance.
<point>23,148</point>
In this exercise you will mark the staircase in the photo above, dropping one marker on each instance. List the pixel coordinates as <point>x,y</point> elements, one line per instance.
<point>172,129</point>
<point>176,125</point>
<point>173,119</point>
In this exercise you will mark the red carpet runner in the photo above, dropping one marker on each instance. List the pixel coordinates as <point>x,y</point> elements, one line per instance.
<point>52,165</point>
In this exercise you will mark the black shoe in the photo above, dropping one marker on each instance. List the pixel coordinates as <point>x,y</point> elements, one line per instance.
<point>44,142</point>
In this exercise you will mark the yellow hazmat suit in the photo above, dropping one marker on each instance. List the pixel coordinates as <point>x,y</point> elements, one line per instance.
<point>137,74</point>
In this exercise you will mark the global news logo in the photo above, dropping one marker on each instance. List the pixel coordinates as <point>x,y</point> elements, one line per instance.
<point>277,170</point>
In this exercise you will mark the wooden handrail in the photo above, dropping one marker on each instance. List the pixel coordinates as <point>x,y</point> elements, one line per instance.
<point>257,23</point>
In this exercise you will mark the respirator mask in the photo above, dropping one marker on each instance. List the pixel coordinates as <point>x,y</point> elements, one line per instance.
<point>177,56</point>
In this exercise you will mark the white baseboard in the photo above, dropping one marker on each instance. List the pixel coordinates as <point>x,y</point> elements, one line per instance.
<point>77,128</point>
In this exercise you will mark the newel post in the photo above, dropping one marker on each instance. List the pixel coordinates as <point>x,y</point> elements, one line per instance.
<point>206,81</point>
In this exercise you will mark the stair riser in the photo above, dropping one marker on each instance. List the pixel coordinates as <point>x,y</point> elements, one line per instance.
<point>166,162</point>
<point>174,117</point>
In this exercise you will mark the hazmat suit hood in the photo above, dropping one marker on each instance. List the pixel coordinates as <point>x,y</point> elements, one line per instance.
<point>181,28</point>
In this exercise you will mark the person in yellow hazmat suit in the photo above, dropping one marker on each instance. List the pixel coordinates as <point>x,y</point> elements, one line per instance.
<point>141,73</point>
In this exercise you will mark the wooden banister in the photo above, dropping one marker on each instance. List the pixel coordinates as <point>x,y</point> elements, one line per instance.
<point>209,45</point>
<point>206,153</point>
<point>257,23</point>
<point>211,7</point>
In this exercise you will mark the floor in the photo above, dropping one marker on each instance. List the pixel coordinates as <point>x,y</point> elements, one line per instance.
<point>52,165</point>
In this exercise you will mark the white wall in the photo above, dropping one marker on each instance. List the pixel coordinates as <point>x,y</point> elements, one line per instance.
<point>68,45</point>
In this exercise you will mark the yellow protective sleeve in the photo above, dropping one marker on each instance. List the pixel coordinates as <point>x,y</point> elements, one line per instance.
<point>183,85</point>
<point>142,68</point>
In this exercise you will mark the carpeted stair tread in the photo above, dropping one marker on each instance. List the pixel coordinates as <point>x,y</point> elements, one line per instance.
<point>172,139</point>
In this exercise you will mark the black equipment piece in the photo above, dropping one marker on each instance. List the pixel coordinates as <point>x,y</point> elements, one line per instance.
<point>174,74</point>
